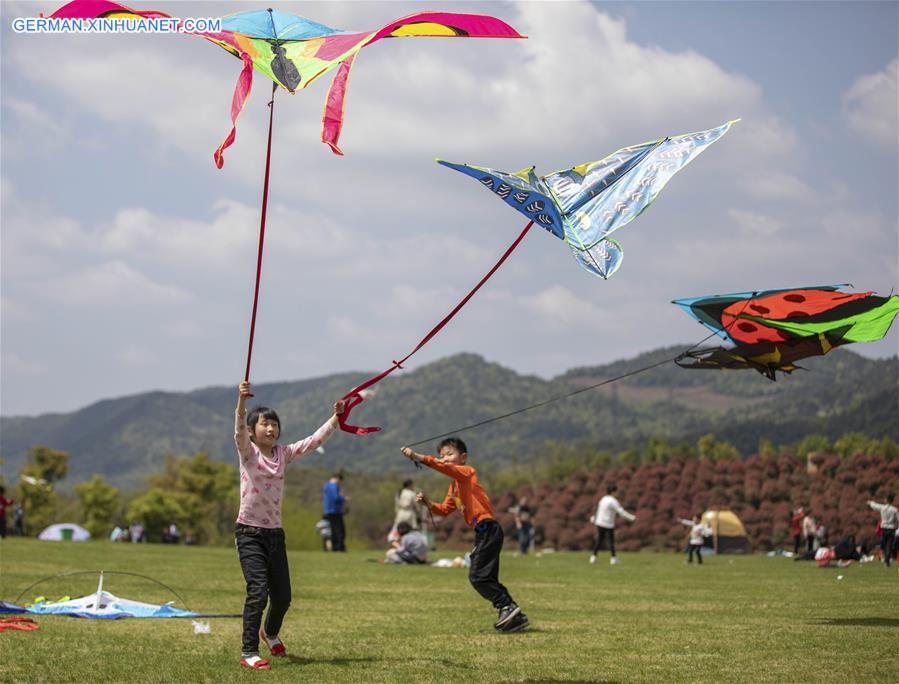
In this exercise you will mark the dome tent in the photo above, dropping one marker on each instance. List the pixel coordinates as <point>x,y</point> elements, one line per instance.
<point>64,532</point>
<point>728,533</point>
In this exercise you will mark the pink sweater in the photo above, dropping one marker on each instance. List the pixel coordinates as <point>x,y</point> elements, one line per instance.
<point>262,478</point>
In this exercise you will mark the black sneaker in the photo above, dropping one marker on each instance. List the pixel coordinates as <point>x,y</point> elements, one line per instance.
<point>506,613</point>
<point>516,624</point>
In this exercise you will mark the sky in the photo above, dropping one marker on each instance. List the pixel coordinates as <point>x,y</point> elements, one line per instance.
<point>127,259</point>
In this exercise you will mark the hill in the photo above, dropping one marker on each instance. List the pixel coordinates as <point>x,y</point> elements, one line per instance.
<point>129,437</point>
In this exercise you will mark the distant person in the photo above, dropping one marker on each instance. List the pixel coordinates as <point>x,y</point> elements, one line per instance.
<point>796,529</point>
<point>604,519</point>
<point>821,534</point>
<point>411,548</point>
<point>524,526</point>
<point>698,532</point>
<point>174,534</point>
<point>405,506</point>
<point>334,506</point>
<point>19,521</point>
<point>889,524</point>
<point>4,502</point>
<point>847,549</point>
<point>808,532</point>
<point>116,534</point>
<point>137,532</point>
<point>466,495</point>
<point>258,534</point>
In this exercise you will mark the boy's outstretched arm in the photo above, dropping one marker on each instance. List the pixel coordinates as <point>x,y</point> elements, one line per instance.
<point>444,509</point>
<point>411,455</point>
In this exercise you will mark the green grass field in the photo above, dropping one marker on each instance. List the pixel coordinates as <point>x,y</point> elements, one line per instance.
<point>649,619</point>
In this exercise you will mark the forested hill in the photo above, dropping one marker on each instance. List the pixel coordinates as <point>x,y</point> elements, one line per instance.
<point>129,437</point>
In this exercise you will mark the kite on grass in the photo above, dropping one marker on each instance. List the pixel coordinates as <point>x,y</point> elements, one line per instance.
<point>585,204</point>
<point>294,51</point>
<point>772,330</point>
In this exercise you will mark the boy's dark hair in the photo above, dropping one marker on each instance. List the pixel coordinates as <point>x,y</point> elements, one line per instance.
<point>407,484</point>
<point>454,442</point>
<point>403,528</point>
<point>611,489</point>
<point>262,412</point>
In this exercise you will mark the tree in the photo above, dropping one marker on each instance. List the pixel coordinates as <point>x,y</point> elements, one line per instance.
<point>710,449</point>
<point>197,494</point>
<point>35,489</point>
<point>100,505</point>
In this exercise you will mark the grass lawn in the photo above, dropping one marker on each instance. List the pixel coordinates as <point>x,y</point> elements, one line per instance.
<point>649,619</point>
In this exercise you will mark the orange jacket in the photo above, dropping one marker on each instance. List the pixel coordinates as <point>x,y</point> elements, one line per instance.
<point>465,493</point>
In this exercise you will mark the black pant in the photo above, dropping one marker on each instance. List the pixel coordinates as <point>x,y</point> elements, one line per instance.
<point>887,544</point>
<point>484,571</point>
<point>809,544</point>
<point>3,527</point>
<point>601,533</point>
<point>524,537</point>
<point>796,542</point>
<point>697,548</point>
<point>338,532</point>
<point>263,559</point>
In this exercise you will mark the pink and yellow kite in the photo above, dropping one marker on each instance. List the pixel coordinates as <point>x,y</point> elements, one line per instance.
<point>294,51</point>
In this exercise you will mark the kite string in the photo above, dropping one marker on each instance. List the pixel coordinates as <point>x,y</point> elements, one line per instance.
<point>354,397</point>
<point>607,381</point>
<point>268,158</point>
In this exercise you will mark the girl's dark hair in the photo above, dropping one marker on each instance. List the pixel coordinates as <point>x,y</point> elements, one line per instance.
<point>611,489</point>
<point>262,412</point>
<point>407,484</point>
<point>454,442</point>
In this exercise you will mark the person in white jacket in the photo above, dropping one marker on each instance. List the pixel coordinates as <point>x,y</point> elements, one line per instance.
<point>889,524</point>
<point>604,519</point>
<point>698,531</point>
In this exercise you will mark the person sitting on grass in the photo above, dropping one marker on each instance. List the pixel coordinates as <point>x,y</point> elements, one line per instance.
<point>411,548</point>
<point>259,536</point>
<point>466,494</point>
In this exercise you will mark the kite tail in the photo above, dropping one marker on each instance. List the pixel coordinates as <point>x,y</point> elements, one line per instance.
<point>241,95</point>
<point>332,122</point>
<point>355,397</point>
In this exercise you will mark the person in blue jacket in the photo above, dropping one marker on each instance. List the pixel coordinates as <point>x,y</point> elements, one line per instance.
<point>334,504</point>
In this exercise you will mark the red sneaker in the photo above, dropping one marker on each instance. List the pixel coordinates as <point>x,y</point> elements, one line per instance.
<point>274,644</point>
<point>258,665</point>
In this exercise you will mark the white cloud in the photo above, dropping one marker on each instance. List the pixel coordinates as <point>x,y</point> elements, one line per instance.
<point>871,105</point>
<point>18,365</point>
<point>756,224</point>
<point>110,282</point>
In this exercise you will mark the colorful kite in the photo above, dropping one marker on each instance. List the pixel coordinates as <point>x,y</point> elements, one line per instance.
<point>294,51</point>
<point>585,204</point>
<point>582,206</point>
<point>772,330</point>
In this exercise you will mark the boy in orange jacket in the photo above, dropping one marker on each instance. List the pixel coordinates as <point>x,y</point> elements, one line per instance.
<point>466,494</point>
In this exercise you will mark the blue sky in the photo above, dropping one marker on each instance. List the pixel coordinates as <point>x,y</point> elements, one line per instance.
<point>128,258</point>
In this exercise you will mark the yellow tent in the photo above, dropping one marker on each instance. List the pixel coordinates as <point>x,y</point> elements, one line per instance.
<point>728,533</point>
